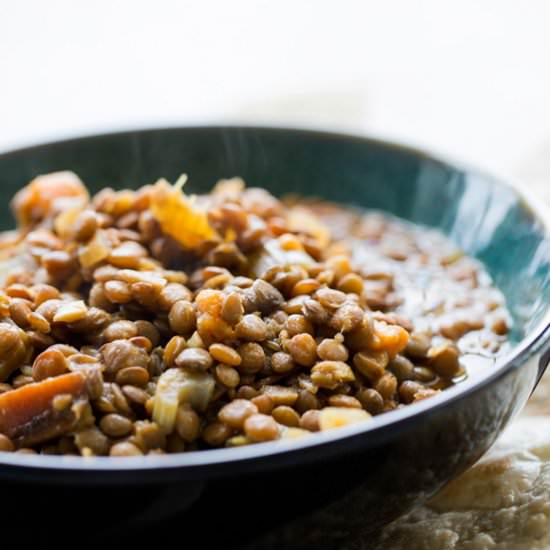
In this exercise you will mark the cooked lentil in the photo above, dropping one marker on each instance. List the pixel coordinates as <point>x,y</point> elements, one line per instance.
<point>172,324</point>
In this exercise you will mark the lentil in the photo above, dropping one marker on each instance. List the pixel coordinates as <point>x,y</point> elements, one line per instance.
<point>187,423</point>
<point>6,444</point>
<point>235,413</point>
<point>282,362</point>
<point>264,403</point>
<point>125,448</point>
<point>135,376</point>
<point>286,416</point>
<point>232,308</point>
<point>137,395</point>
<point>194,358</point>
<point>260,427</point>
<point>340,400</point>
<point>310,421</point>
<point>252,358</point>
<point>251,328</point>
<point>298,324</point>
<point>115,425</point>
<point>228,376</point>
<point>49,363</point>
<point>303,349</point>
<point>332,350</point>
<point>216,434</point>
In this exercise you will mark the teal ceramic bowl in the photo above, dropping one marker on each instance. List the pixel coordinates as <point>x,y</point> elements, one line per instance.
<point>354,479</point>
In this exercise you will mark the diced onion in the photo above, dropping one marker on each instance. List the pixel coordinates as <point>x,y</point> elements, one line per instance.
<point>177,386</point>
<point>336,417</point>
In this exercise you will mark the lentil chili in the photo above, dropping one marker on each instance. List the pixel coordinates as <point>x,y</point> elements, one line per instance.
<point>148,321</point>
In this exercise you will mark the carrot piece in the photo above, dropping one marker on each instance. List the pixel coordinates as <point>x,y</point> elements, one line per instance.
<point>179,215</point>
<point>27,415</point>
<point>47,194</point>
<point>390,338</point>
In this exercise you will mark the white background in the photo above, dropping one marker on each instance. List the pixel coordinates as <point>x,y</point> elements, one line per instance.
<point>468,78</point>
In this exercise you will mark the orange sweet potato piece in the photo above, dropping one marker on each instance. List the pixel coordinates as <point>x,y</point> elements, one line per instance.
<point>179,215</point>
<point>390,338</point>
<point>27,414</point>
<point>46,195</point>
<point>210,301</point>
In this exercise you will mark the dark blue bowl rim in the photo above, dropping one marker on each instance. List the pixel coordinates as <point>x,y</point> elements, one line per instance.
<point>227,461</point>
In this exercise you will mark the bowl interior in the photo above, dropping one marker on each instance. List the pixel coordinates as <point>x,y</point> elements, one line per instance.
<point>484,217</point>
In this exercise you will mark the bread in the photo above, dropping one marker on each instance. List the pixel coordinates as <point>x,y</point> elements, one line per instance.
<point>502,502</point>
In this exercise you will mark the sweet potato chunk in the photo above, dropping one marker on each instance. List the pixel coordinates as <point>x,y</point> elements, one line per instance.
<point>179,215</point>
<point>48,194</point>
<point>27,414</point>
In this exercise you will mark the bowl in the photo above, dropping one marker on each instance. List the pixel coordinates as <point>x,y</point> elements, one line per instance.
<point>348,482</point>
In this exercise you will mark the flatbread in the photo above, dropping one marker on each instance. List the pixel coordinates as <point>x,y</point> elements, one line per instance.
<point>502,502</point>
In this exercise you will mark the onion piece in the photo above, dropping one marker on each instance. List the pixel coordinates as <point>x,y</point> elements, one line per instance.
<point>177,386</point>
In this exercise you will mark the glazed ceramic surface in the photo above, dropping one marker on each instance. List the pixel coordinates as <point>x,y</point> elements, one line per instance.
<point>348,481</point>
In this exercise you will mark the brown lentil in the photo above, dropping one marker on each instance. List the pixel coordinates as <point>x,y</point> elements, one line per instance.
<point>43,292</point>
<point>115,425</point>
<point>444,359</point>
<point>62,401</point>
<point>247,392</point>
<point>216,434</point>
<point>92,439</point>
<point>386,385</point>
<point>117,292</point>
<point>6,444</point>
<point>331,374</point>
<point>286,416</point>
<point>235,413</point>
<point>187,423</point>
<point>402,368</point>
<point>173,348</point>
<point>371,400</point>
<point>85,226</point>
<point>20,311</point>
<point>351,282</point>
<point>252,358</point>
<point>306,401</point>
<point>135,376</point>
<point>38,322</point>
<point>228,376</point>
<point>281,395</point>
<point>424,374</point>
<point>408,389</point>
<point>310,421</point>
<point>264,403</point>
<point>305,286</point>
<point>371,364</point>
<point>282,362</point>
<point>125,448</point>
<point>298,324</point>
<point>148,435</point>
<point>49,363</point>
<point>182,317</point>
<point>261,427</point>
<point>225,354</point>
<point>303,349</point>
<point>194,358</point>
<point>251,328</point>
<point>340,400</point>
<point>232,308</point>
<point>137,395</point>
<point>332,350</point>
